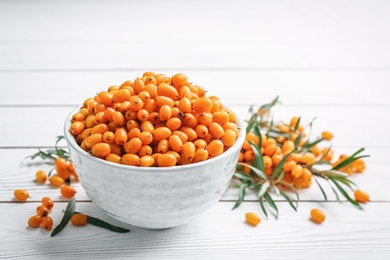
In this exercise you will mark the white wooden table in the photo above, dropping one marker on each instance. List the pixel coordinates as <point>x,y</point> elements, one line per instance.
<point>328,59</point>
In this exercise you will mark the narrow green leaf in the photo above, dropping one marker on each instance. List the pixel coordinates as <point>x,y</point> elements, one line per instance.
<point>322,190</point>
<point>258,172</point>
<point>325,154</point>
<point>349,160</point>
<point>272,204</point>
<point>100,223</point>
<point>281,175</point>
<point>242,176</point>
<point>298,140</point>
<point>289,185</point>
<point>335,192</point>
<point>280,165</point>
<point>263,207</point>
<point>257,131</point>
<point>258,161</point>
<point>264,189</point>
<point>241,195</point>
<point>345,181</point>
<point>297,124</point>
<point>309,145</point>
<point>288,199</point>
<point>345,194</point>
<point>252,122</point>
<point>67,216</point>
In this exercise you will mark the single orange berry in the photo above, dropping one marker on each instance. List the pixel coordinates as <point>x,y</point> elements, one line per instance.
<point>47,202</point>
<point>47,223</point>
<point>42,211</point>
<point>56,181</point>
<point>41,176</point>
<point>79,219</point>
<point>317,215</point>
<point>327,135</point>
<point>68,191</point>
<point>361,196</point>
<point>21,195</point>
<point>34,221</point>
<point>252,218</point>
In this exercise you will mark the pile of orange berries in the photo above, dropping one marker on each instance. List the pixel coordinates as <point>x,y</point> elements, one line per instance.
<point>64,171</point>
<point>42,217</point>
<point>154,120</point>
<point>296,167</point>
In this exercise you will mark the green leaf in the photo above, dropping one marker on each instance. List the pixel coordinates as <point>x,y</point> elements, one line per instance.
<point>345,194</point>
<point>322,190</point>
<point>258,172</point>
<point>345,181</point>
<point>297,124</point>
<point>242,176</point>
<point>289,185</point>
<point>264,188</point>
<point>100,223</point>
<point>263,207</point>
<point>325,154</point>
<point>349,160</point>
<point>298,140</point>
<point>281,175</point>
<point>272,204</point>
<point>67,216</point>
<point>280,165</point>
<point>252,122</point>
<point>258,161</point>
<point>335,192</point>
<point>288,199</point>
<point>257,132</point>
<point>241,195</point>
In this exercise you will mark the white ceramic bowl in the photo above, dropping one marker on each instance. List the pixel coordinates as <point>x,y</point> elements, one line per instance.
<point>154,197</point>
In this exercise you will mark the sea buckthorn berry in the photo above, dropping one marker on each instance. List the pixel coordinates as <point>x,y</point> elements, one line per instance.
<point>68,191</point>
<point>79,219</point>
<point>91,140</point>
<point>163,146</point>
<point>47,223</point>
<point>146,161</point>
<point>167,90</point>
<point>47,202</point>
<point>288,166</point>
<point>145,137</point>
<point>308,158</point>
<point>42,211</point>
<point>166,160</point>
<point>163,100</point>
<point>118,118</point>
<point>179,80</point>
<point>77,127</point>
<point>135,132</point>
<point>161,133</point>
<point>190,120</point>
<point>133,145</point>
<point>188,150</point>
<point>121,95</point>
<point>201,130</point>
<point>21,195</point>
<point>142,115</point>
<point>130,159</point>
<point>120,136</point>
<point>185,105</point>
<point>288,146</point>
<point>101,150</point>
<point>200,144</point>
<point>100,118</point>
<point>41,176</point>
<point>216,130</point>
<point>34,221</point>
<point>203,104</point>
<point>139,85</point>
<point>270,149</point>
<point>327,135</point>
<point>205,118</point>
<point>221,117</point>
<point>56,180</point>
<point>175,143</point>
<point>114,158</point>
<point>99,129</point>
<point>173,123</point>
<point>361,196</point>
<point>252,218</point>
<point>165,113</point>
<point>297,171</point>
<point>317,215</point>
<point>200,155</point>
<point>78,117</point>
<point>190,132</point>
<point>183,136</point>
<point>106,98</point>
<point>145,150</point>
<point>215,148</point>
<point>276,158</point>
<point>109,137</point>
<point>294,121</point>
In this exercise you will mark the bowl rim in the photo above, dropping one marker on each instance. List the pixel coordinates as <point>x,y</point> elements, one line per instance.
<point>71,141</point>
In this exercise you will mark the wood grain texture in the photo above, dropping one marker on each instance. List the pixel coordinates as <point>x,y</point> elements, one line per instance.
<point>219,233</point>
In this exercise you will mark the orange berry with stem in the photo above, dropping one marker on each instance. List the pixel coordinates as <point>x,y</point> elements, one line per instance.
<point>361,196</point>
<point>47,223</point>
<point>79,219</point>
<point>317,215</point>
<point>21,194</point>
<point>307,158</point>
<point>42,211</point>
<point>47,202</point>
<point>215,148</point>
<point>34,221</point>
<point>68,191</point>
<point>41,176</point>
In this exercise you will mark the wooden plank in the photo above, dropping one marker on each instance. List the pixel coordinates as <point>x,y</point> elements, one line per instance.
<point>45,123</point>
<point>365,235</point>
<point>236,87</point>
<point>252,34</point>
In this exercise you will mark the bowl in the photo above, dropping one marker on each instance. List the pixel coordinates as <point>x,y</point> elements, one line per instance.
<point>154,197</point>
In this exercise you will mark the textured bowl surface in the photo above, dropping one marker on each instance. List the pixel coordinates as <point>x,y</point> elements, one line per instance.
<point>154,197</point>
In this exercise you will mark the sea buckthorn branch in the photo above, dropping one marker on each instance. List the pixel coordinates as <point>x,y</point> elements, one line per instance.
<point>279,158</point>
<point>51,154</point>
